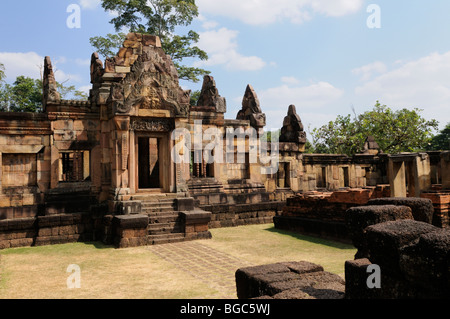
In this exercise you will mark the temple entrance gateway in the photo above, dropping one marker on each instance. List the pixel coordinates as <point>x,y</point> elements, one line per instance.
<point>149,163</point>
<point>152,163</point>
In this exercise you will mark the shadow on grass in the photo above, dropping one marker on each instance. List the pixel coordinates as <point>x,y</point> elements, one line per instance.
<point>312,239</point>
<point>97,245</point>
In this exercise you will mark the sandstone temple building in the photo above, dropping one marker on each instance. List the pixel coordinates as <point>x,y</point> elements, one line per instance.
<point>105,170</point>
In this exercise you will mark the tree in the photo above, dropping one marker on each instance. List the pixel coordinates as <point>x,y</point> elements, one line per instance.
<point>394,131</point>
<point>440,142</point>
<point>2,72</point>
<point>25,95</point>
<point>70,92</point>
<point>157,17</point>
<point>109,45</point>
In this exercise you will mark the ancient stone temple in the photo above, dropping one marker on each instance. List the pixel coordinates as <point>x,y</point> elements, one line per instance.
<point>136,164</point>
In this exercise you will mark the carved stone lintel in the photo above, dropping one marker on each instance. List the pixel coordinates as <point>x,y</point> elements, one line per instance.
<point>152,125</point>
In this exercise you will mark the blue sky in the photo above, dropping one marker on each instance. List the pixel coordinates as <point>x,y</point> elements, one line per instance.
<point>319,55</point>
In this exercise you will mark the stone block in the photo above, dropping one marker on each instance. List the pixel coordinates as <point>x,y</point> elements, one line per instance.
<point>356,280</point>
<point>359,218</point>
<point>426,263</point>
<point>151,40</point>
<point>422,208</point>
<point>274,279</point>
<point>385,241</point>
<point>185,204</point>
<point>131,221</point>
<point>195,217</point>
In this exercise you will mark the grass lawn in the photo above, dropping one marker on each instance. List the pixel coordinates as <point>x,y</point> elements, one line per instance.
<point>137,273</point>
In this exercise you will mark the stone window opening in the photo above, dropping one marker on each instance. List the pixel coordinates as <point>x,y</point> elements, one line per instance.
<point>199,167</point>
<point>322,178</point>
<point>75,166</point>
<point>284,175</point>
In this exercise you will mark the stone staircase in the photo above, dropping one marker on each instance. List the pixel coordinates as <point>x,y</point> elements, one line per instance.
<point>165,224</point>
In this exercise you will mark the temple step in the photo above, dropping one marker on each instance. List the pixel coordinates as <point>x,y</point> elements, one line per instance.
<point>164,228</point>
<point>165,239</point>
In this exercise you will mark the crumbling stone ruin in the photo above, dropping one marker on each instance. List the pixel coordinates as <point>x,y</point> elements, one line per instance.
<point>413,256</point>
<point>103,169</point>
<point>72,172</point>
<point>292,130</point>
<point>251,109</point>
<point>288,280</point>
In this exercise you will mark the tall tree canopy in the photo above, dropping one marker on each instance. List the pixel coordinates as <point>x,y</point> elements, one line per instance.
<point>440,142</point>
<point>394,131</point>
<point>157,17</point>
<point>24,95</point>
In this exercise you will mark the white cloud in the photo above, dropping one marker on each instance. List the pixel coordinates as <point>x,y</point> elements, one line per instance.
<point>221,47</point>
<point>423,83</point>
<point>290,80</point>
<point>366,71</point>
<point>85,88</point>
<point>83,62</point>
<point>89,4</point>
<point>311,102</point>
<point>30,64</point>
<point>263,12</point>
<point>26,64</point>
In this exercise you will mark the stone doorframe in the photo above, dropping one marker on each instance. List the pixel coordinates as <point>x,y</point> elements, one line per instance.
<point>159,129</point>
<point>413,168</point>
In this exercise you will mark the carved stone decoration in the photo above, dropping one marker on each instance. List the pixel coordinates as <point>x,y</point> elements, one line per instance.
<point>210,97</point>
<point>97,70</point>
<point>116,97</point>
<point>152,125</point>
<point>293,130</point>
<point>124,154</point>
<point>251,109</point>
<point>51,94</point>
<point>371,147</point>
<point>144,77</point>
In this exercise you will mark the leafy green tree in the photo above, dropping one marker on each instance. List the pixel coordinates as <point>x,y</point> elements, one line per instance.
<point>2,72</point>
<point>25,95</point>
<point>157,17</point>
<point>394,131</point>
<point>195,95</point>
<point>440,142</point>
<point>70,92</point>
<point>109,45</point>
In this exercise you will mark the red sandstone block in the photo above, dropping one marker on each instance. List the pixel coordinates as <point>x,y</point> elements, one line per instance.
<point>22,242</point>
<point>45,232</point>
<point>5,244</point>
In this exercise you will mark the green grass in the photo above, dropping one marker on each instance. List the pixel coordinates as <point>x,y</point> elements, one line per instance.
<point>137,273</point>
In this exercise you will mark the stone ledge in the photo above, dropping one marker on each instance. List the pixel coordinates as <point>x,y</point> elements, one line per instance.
<point>131,221</point>
<point>288,280</point>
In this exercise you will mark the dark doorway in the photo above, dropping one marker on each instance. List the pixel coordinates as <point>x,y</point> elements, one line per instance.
<point>149,169</point>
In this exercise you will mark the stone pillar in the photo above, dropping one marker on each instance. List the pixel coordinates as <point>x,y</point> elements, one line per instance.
<point>397,178</point>
<point>445,169</point>
<point>120,154</point>
<point>423,172</point>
